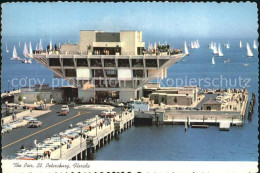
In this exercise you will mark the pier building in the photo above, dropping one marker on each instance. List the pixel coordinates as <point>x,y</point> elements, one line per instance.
<point>115,63</point>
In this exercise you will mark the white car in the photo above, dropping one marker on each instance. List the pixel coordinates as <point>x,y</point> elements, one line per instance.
<point>65,108</point>
<point>6,128</point>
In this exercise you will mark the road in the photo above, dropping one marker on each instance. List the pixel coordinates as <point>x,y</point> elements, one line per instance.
<point>52,123</point>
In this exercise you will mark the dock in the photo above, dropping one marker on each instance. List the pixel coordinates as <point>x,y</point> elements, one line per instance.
<point>92,140</point>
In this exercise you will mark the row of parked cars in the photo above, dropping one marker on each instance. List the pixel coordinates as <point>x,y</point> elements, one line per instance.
<point>33,122</point>
<point>54,142</point>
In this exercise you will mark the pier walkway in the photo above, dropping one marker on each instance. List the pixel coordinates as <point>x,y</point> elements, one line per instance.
<point>90,140</point>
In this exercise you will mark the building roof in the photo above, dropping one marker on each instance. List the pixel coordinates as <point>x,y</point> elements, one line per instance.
<point>212,102</point>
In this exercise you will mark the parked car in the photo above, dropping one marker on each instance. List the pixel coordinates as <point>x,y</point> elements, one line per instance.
<point>65,108</point>
<point>35,123</point>
<point>28,118</point>
<point>6,128</point>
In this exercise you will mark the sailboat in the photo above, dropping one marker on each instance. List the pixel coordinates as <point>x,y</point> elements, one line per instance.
<point>30,48</point>
<point>186,51</point>
<point>219,51</point>
<point>255,45</point>
<point>212,61</point>
<point>191,45</point>
<point>215,50</point>
<point>29,61</point>
<point>228,45</point>
<point>40,46</point>
<point>15,57</point>
<point>249,52</point>
<point>6,48</point>
<point>19,44</point>
<point>25,50</point>
<point>24,61</point>
<point>240,44</point>
<point>50,45</point>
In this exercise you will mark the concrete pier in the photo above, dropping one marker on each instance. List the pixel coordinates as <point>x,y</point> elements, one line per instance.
<point>95,139</point>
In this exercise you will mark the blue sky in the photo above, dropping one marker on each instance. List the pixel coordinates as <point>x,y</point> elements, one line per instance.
<point>210,20</point>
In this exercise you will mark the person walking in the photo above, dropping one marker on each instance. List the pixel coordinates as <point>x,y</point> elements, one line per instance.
<point>30,109</point>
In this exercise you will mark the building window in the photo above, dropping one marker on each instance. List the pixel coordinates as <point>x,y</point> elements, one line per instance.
<point>100,84</point>
<point>70,72</point>
<point>54,62</point>
<point>111,73</point>
<point>123,63</point>
<point>140,50</point>
<point>82,62</point>
<point>138,73</point>
<point>137,62</point>
<point>98,73</point>
<point>68,62</point>
<point>96,63</point>
<point>151,62</point>
<point>109,63</point>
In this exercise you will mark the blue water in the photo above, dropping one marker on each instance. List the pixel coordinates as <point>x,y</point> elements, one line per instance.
<point>171,142</point>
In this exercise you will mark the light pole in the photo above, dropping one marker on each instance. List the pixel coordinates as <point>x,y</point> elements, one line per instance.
<point>24,98</point>
<point>60,134</point>
<point>6,108</point>
<point>96,124</point>
<point>35,143</point>
<point>81,135</point>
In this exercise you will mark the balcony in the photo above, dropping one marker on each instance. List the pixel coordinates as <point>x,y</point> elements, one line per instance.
<point>151,63</point>
<point>123,63</point>
<point>82,62</point>
<point>54,62</point>
<point>109,63</point>
<point>70,72</point>
<point>68,62</point>
<point>96,63</point>
<point>138,73</point>
<point>137,63</point>
<point>98,73</point>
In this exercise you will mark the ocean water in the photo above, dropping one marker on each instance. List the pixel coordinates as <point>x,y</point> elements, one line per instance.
<point>169,142</point>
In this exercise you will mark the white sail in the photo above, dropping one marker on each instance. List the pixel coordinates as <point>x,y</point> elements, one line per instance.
<point>37,47</point>
<point>219,50</point>
<point>19,44</point>
<point>6,48</point>
<point>240,44</point>
<point>198,45</point>
<point>40,45</point>
<point>25,50</point>
<point>15,57</point>
<point>255,45</point>
<point>50,45</point>
<point>212,45</point>
<point>228,45</point>
<point>212,61</point>
<point>191,45</point>
<point>186,51</point>
<point>215,49</point>
<point>249,51</point>
<point>30,48</point>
